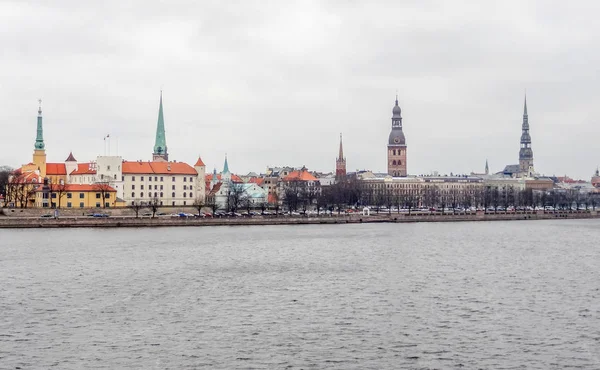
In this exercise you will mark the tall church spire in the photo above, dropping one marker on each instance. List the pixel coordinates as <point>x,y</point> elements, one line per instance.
<point>525,153</point>
<point>160,144</point>
<point>39,139</point>
<point>340,163</point>
<point>487,167</point>
<point>396,148</point>
<point>225,165</point>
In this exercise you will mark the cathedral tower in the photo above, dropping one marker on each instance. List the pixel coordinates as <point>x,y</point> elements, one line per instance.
<point>525,153</point>
<point>396,149</point>
<point>160,144</point>
<point>39,151</point>
<point>340,163</point>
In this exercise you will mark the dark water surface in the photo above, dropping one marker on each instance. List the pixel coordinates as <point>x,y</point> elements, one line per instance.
<point>491,295</point>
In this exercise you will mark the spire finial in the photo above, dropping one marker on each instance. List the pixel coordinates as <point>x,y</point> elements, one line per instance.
<point>525,107</point>
<point>396,96</point>
<point>40,106</point>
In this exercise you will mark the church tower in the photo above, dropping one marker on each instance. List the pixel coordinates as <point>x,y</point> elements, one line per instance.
<point>39,151</point>
<point>160,144</point>
<point>525,153</point>
<point>340,163</point>
<point>396,149</point>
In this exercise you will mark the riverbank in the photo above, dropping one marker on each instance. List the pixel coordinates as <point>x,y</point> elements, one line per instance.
<point>122,221</point>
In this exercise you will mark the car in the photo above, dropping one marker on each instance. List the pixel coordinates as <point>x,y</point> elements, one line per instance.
<point>161,214</point>
<point>206,214</point>
<point>47,215</point>
<point>101,215</point>
<point>147,214</point>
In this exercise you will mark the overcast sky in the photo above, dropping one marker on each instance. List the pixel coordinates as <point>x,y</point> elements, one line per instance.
<point>275,82</point>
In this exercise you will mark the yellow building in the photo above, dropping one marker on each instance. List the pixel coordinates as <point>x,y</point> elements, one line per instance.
<point>76,196</point>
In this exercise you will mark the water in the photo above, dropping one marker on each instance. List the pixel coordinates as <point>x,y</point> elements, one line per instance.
<point>497,295</point>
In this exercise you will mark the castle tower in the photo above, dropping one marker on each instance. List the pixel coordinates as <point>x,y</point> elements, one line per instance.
<point>340,163</point>
<point>39,151</point>
<point>160,144</point>
<point>525,153</point>
<point>200,179</point>
<point>396,148</point>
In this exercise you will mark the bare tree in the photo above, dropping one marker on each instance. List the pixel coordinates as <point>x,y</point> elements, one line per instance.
<point>104,189</point>
<point>154,204</point>
<point>199,203</point>
<point>60,189</point>
<point>136,206</point>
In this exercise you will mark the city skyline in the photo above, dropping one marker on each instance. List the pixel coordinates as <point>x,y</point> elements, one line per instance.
<point>303,82</point>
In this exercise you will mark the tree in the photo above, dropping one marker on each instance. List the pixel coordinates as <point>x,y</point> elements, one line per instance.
<point>236,195</point>
<point>199,204</point>
<point>5,172</point>
<point>136,206</point>
<point>213,205</point>
<point>104,189</point>
<point>59,189</point>
<point>153,205</point>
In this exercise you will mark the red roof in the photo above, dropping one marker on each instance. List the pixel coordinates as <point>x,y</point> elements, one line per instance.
<point>84,169</point>
<point>162,168</point>
<point>82,187</point>
<point>256,180</point>
<point>27,177</point>
<point>214,190</point>
<point>56,169</point>
<point>199,162</point>
<point>302,175</point>
<point>234,178</point>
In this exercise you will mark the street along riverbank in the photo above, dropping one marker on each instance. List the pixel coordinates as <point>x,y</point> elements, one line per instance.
<point>123,221</point>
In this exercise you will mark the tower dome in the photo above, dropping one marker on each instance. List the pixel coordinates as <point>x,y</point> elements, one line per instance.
<point>396,111</point>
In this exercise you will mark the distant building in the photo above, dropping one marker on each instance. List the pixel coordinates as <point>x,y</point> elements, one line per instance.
<point>396,148</point>
<point>596,179</point>
<point>340,163</point>
<point>160,152</point>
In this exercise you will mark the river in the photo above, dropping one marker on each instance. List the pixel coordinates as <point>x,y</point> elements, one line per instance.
<point>491,295</point>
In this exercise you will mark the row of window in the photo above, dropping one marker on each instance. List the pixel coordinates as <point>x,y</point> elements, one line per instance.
<point>399,152</point>
<point>81,195</point>
<point>185,187</point>
<point>161,195</point>
<point>161,203</point>
<point>70,205</point>
<point>156,178</point>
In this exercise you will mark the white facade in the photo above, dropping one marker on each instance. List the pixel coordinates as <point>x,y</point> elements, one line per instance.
<point>108,169</point>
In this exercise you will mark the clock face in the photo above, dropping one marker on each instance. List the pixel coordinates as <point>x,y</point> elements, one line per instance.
<point>396,140</point>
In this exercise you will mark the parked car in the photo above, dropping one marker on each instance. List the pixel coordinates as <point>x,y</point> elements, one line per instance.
<point>100,215</point>
<point>47,215</point>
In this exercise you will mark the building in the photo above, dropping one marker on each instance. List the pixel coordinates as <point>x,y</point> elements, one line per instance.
<point>160,152</point>
<point>340,163</point>
<point>76,196</point>
<point>525,153</point>
<point>596,179</point>
<point>396,148</point>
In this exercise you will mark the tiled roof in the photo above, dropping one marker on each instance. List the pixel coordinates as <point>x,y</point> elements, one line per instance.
<point>82,187</point>
<point>84,169</point>
<point>27,177</point>
<point>199,162</point>
<point>70,158</point>
<point>214,190</point>
<point>256,180</point>
<point>56,169</point>
<point>302,175</point>
<point>162,168</point>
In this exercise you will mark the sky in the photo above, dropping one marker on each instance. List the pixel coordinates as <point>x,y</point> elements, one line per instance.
<point>273,83</point>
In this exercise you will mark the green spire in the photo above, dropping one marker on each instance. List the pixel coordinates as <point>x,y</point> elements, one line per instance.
<point>160,144</point>
<point>226,165</point>
<point>39,140</point>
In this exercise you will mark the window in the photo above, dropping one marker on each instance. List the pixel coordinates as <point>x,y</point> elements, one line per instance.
<point>142,186</point>
<point>97,205</point>
<point>69,195</point>
<point>81,205</point>
<point>133,195</point>
<point>173,203</point>
<point>115,176</point>
<point>81,196</point>
<point>122,178</point>
<point>161,194</point>
<point>141,178</point>
<point>132,178</point>
<point>173,178</point>
<point>173,195</point>
<point>161,187</point>
<point>184,179</point>
<point>45,195</point>
<point>155,187</point>
<point>69,205</point>
<point>155,178</point>
<point>393,162</point>
<point>184,186</point>
<point>108,168</point>
<point>161,178</point>
<point>190,187</point>
<point>133,187</point>
<point>97,195</point>
<point>107,196</point>
<point>149,178</point>
<point>107,205</point>
<point>173,187</point>
<point>191,179</point>
<point>155,194</point>
<point>184,203</point>
<point>54,195</point>
<point>184,194</point>
<point>141,194</point>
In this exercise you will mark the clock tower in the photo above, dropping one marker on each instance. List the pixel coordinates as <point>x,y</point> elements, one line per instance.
<point>396,148</point>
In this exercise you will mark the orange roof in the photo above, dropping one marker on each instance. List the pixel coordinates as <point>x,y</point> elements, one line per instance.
<point>199,162</point>
<point>256,180</point>
<point>56,169</point>
<point>84,169</point>
<point>162,168</point>
<point>214,190</point>
<point>302,175</point>
<point>83,187</point>
<point>26,177</point>
<point>234,178</point>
